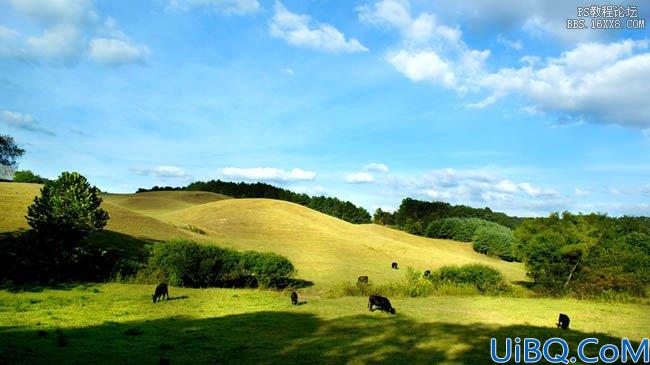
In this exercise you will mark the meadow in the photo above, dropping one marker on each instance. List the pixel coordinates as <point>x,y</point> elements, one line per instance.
<point>118,323</point>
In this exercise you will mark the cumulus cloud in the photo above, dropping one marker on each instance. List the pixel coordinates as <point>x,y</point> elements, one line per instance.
<point>537,18</point>
<point>592,82</point>
<point>68,30</point>
<point>268,174</point>
<point>297,30</point>
<point>359,178</point>
<point>376,167</point>
<point>116,52</point>
<point>516,45</point>
<point>478,188</point>
<point>581,192</point>
<point>601,83</point>
<point>429,51</point>
<point>24,121</point>
<point>237,7</point>
<point>162,172</point>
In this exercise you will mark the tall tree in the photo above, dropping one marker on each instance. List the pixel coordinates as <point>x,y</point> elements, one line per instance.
<point>9,151</point>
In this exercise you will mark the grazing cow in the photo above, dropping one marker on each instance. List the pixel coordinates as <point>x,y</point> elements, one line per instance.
<point>161,292</point>
<point>393,265</point>
<point>427,273</point>
<point>380,302</point>
<point>294,298</point>
<point>563,321</point>
<point>362,280</point>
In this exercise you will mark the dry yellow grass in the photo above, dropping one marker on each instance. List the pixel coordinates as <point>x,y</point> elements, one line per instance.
<point>327,250</point>
<point>155,203</point>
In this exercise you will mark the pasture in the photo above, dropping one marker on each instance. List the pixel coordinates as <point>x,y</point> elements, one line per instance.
<point>118,323</point>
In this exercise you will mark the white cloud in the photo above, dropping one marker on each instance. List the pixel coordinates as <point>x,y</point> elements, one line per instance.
<point>162,171</point>
<point>296,30</point>
<point>317,190</point>
<point>237,7</point>
<point>376,167</point>
<point>601,83</point>
<point>516,45</point>
<point>65,26</point>
<point>397,14</point>
<point>429,51</point>
<point>268,174</point>
<point>477,188</point>
<point>359,178</point>
<point>581,192</point>
<point>116,52</point>
<point>593,82</point>
<point>423,65</point>
<point>61,42</point>
<point>24,121</point>
<point>56,11</point>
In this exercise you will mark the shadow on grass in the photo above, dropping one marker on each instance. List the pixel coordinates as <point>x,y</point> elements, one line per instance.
<point>274,337</point>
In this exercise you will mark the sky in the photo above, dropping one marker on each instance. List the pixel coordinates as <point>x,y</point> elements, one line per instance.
<point>483,103</point>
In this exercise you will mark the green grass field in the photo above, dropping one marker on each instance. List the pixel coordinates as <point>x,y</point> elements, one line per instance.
<point>118,323</point>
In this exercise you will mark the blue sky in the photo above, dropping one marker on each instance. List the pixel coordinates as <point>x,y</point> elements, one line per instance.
<point>485,103</point>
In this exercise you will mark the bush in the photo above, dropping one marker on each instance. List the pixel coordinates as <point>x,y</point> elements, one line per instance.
<point>185,263</point>
<point>484,278</point>
<point>473,279</point>
<point>495,241</point>
<point>489,238</point>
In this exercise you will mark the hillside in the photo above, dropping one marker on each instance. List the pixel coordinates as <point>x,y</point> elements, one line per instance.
<point>325,250</point>
<point>155,203</point>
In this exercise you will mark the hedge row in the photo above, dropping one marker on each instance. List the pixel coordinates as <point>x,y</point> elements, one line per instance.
<point>185,263</point>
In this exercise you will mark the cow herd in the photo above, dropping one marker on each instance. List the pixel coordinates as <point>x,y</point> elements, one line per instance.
<point>374,301</point>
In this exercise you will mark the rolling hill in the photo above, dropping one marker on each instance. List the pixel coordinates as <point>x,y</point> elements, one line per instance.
<point>324,249</point>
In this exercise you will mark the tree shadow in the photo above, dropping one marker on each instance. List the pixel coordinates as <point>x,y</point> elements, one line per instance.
<point>274,337</point>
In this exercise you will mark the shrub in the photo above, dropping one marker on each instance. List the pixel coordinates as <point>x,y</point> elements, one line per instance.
<point>185,263</point>
<point>484,278</point>
<point>495,241</point>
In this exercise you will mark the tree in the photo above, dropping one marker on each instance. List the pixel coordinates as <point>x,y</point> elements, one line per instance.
<point>67,211</point>
<point>26,176</point>
<point>9,151</point>
<point>68,208</point>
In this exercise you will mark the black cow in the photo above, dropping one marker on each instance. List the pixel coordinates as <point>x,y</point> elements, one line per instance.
<point>294,298</point>
<point>563,321</point>
<point>393,265</point>
<point>362,280</point>
<point>427,273</point>
<point>380,302</point>
<point>161,292</point>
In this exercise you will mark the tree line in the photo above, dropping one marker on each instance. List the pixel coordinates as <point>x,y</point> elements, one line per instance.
<point>334,207</point>
<point>414,216</point>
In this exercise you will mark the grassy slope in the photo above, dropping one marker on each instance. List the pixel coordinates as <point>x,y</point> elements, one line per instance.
<point>117,323</point>
<point>327,250</point>
<point>126,228</point>
<point>156,203</point>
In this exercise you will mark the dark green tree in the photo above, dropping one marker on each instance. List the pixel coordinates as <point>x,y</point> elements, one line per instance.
<point>9,151</point>
<point>69,208</point>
